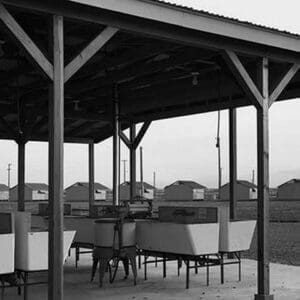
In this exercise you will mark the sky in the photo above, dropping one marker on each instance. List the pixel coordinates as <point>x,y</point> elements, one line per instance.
<point>184,148</point>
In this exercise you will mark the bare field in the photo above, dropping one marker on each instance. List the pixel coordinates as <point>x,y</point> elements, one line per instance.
<point>284,243</point>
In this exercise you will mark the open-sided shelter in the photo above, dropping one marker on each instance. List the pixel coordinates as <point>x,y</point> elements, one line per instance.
<point>140,61</point>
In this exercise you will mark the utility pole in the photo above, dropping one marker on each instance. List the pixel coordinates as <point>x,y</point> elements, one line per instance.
<point>253,176</point>
<point>8,174</point>
<point>124,161</point>
<point>154,179</point>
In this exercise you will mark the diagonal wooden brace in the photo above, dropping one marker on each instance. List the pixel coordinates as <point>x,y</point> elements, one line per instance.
<point>243,78</point>
<point>89,51</point>
<point>141,134</point>
<point>283,83</point>
<point>22,37</point>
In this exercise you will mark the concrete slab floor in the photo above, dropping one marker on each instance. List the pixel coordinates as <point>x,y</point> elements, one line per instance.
<point>285,283</point>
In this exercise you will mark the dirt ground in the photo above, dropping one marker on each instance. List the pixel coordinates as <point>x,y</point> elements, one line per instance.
<point>285,284</point>
<point>284,244</point>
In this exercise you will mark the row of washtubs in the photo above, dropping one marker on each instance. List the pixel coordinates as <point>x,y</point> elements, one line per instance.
<point>205,242</point>
<point>24,249</point>
<point>200,244</point>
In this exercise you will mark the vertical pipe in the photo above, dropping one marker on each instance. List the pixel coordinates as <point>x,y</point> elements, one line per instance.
<point>263,262</point>
<point>232,163</point>
<point>21,176</point>
<point>132,163</point>
<point>56,140</point>
<point>116,150</point>
<point>91,175</point>
<point>141,170</point>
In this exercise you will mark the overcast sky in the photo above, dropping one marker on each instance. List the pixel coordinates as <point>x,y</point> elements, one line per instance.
<point>184,148</point>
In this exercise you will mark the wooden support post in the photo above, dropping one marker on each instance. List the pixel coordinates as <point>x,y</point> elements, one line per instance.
<point>56,142</point>
<point>91,175</point>
<point>263,292</point>
<point>116,150</point>
<point>132,163</point>
<point>232,163</point>
<point>21,176</point>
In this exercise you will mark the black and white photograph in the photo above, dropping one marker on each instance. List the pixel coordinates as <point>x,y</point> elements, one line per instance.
<point>149,150</point>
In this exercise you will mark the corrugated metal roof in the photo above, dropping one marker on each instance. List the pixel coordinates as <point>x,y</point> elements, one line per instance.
<point>218,16</point>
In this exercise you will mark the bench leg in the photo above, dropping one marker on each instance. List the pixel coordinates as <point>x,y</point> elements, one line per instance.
<point>240,266</point>
<point>207,272</point>
<point>2,290</point>
<point>25,286</point>
<point>164,266</point>
<point>222,268</point>
<point>187,284</point>
<point>77,250</point>
<point>145,267</point>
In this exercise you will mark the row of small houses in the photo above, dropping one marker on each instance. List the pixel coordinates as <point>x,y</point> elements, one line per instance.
<point>179,190</point>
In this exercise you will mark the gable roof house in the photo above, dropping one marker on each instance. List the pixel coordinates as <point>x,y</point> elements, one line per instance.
<point>79,191</point>
<point>4,192</point>
<point>245,190</point>
<point>289,189</point>
<point>184,190</point>
<point>148,192</point>
<point>33,192</point>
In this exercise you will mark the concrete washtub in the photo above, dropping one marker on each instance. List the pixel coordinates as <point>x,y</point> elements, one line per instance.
<point>187,239</point>
<point>31,251</point>
<point>84,227</point>
<point>237,236</point>
<point>234,236</point>
<point>7,253</point>
<point>7,243</point>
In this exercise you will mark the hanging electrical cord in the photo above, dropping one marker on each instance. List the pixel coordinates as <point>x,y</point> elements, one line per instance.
<point>218,139</point>
<point>218,145</point>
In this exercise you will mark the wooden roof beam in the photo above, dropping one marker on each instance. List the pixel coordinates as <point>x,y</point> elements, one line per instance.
<point>26,42</point>
<point>86,54</point>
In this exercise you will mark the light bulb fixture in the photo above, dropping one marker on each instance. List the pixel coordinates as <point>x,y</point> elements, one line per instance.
<point>195,78</point>
<point>76,105</point>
